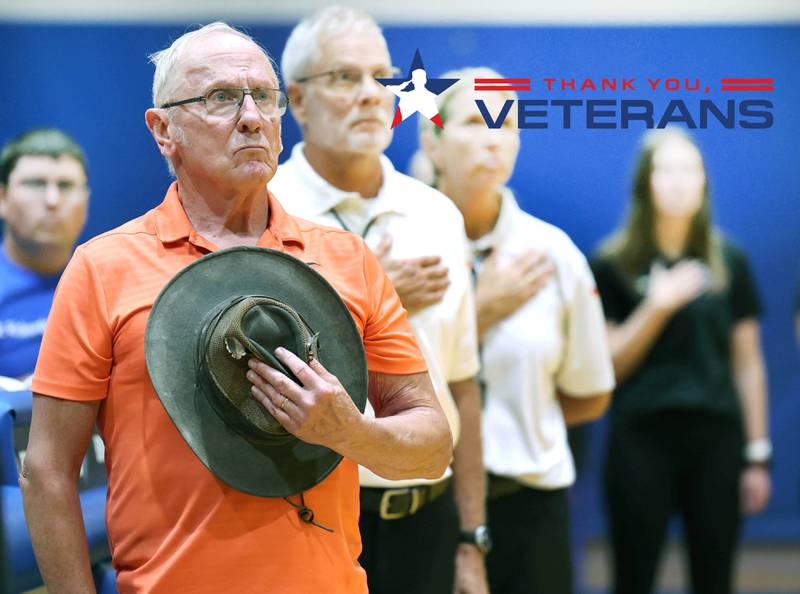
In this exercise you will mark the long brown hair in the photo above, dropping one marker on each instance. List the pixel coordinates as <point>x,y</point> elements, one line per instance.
<point>633,246</point>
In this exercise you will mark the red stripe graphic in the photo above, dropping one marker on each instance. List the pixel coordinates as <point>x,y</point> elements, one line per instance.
<point>748,84</point>
<point>502,80</point>
<point>499,88</point>
<point>751,88</point>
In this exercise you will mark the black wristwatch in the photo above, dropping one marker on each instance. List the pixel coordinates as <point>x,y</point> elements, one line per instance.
<point>478,537</point>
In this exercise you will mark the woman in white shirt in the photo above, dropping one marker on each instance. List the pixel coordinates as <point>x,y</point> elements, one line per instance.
<point>545,358</point>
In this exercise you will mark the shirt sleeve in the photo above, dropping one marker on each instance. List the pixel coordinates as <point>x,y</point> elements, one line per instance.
<point>745,301</point>
<point>463,356</point>
<point>586,368</point>
<point>389,341</point>
<point>76,353</point>
<point>609,289</point>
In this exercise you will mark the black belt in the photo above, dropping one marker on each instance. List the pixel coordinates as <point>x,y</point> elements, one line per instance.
<point>393,504</point>
<point>500,486</point>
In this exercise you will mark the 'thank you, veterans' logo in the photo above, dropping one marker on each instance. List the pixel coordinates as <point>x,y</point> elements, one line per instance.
<point>587,102</point>
<point>417,93</point>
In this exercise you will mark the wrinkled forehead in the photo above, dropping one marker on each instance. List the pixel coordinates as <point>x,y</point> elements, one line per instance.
<point>223,59</point>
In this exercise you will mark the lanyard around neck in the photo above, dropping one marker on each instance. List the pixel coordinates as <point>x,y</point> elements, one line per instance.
<point>346,228</point>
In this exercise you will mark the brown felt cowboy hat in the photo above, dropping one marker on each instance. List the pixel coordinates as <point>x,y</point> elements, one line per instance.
<point>208,321</point>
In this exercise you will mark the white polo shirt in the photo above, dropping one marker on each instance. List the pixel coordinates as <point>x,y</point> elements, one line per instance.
<point>556,341</point>
<point>422,222</point>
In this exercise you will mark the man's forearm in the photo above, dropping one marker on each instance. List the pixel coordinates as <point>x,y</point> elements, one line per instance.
<point>469,478</point>
<point>55,523</point>
<point>416,443</point>
<point>469,486</point>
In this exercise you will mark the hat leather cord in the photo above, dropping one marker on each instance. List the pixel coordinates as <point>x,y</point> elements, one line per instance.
<point>305,513</point>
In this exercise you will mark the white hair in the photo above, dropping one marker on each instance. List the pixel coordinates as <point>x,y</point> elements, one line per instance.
<point>303,46</point>
<point>165,61</point>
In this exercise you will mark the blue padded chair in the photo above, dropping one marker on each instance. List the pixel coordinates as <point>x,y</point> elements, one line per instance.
<point>22,572</point>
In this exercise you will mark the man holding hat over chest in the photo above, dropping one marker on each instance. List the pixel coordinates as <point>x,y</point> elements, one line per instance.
<point>228,384</point>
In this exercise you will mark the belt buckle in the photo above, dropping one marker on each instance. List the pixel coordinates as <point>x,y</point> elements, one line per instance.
<point>386,499</point>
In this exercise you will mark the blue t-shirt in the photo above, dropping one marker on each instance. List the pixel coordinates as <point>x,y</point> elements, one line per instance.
<point>25,300</point>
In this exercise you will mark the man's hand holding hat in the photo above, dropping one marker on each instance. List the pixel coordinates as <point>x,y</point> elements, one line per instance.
<point>320,411</point>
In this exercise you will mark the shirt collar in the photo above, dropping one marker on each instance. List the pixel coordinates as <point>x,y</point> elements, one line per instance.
<point>324,196</point>
<point>503,226</point>
<point>172,224</point>
<point>282,224</point>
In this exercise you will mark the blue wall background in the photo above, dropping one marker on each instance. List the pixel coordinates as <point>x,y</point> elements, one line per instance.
<point>94,82</point>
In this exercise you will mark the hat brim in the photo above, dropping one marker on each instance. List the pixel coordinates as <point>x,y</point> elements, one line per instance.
<point>173,329</point>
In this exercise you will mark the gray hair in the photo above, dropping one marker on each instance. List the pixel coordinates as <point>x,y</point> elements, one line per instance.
<point>302,48</point>
<point>166,59</point>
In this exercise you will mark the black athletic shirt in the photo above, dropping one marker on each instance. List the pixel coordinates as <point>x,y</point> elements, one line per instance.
<point>689,365</point>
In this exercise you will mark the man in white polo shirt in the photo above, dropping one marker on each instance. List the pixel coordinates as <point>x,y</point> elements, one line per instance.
<point>339,176</point>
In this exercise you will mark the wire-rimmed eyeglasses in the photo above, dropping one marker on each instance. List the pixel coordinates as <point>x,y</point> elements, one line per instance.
<point>227,101</point>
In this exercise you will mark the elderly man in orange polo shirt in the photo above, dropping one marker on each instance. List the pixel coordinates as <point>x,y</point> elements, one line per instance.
<point>173,525</point>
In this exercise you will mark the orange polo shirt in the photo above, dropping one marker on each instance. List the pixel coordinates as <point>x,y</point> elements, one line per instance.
<point>173,527</point>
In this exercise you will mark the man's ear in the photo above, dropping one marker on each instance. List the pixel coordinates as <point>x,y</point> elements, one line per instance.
<point>158,123</point>
<point>2,202</point>
<point>297,103</point>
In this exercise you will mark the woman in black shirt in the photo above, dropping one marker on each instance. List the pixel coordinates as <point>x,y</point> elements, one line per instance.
<point>689,417</point>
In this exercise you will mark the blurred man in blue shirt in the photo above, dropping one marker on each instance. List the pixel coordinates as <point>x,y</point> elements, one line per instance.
<point>43,203</point>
